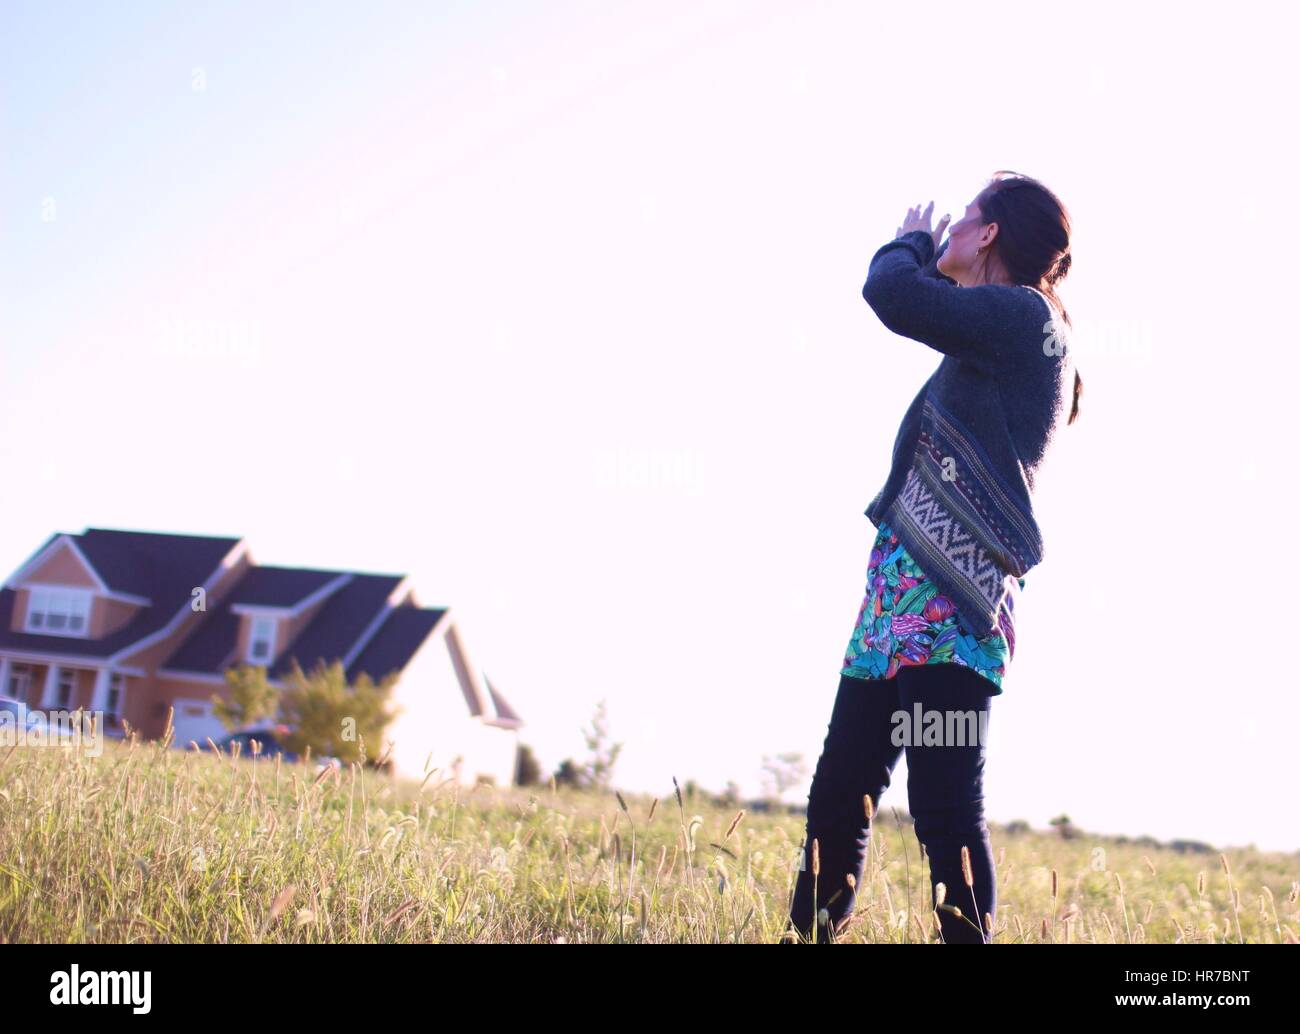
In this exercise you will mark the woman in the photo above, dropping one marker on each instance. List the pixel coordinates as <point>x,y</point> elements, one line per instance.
<point>955,535</point>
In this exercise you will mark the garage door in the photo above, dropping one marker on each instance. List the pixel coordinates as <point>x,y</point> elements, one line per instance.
<point>194,721</point>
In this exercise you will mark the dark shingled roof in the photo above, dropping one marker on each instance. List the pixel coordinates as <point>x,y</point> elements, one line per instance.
<point>280,586</point>
<point>209,646</point>
<point>166,568</point>
<point>329,636</point>
<point>150,564</point>
<point>162,568</point>
<point>401,634</point>
<point>339,623</point>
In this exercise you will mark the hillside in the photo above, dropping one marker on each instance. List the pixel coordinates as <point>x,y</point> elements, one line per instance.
<point>148,844</point>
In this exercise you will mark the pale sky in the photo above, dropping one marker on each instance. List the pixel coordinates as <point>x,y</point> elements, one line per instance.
<point>557,309</point>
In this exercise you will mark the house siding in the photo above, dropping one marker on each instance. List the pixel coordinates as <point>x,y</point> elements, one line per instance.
<point>170,692</point>
<point>433,725</point>
<point>21,598</point>
<point>107,616</point>
<point>63,567</point>
<point>149,697</point>
<point>441,695</point>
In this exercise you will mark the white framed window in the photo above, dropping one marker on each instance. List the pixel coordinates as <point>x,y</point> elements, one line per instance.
<point>63,691</point>
<point>59,612</point>
<point>113,705</point>
<point>261,640</point>
<point>20,682</point>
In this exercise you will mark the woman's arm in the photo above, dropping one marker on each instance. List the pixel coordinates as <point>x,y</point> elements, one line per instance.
<point>968,323</point>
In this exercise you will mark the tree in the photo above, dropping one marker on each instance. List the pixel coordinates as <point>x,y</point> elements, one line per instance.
<point>333,718</point>
<point>600,766</point>
<point>568,774</point>
<point>528,772</point>
<point>1064,827</point>
<point>730,796</point>
<point>250,699</point>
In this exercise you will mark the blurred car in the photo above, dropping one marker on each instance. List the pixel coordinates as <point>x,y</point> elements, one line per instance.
<point>22,716</point>
<point>34,721</point>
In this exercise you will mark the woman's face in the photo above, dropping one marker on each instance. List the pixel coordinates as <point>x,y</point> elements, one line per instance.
<point>965,237</point>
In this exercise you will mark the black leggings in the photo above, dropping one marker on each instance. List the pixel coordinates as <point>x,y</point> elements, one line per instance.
<point>944,792</point>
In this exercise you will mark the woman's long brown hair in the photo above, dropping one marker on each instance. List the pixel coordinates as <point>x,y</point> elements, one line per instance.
<point>1033,240</point>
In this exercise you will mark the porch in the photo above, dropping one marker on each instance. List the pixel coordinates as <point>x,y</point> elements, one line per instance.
<point>64,686</point>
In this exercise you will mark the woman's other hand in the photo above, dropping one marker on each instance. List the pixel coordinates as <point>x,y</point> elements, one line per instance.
<point>920,220</point>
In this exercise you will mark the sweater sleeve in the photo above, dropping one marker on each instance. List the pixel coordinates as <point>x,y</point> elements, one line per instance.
<point>931,268</point>
<point>912,298</point>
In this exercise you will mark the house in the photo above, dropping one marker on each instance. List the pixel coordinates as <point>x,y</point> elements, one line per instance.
<point>132,624</point>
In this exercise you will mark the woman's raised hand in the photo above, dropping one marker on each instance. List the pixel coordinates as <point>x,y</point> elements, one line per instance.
<point>920,220</point>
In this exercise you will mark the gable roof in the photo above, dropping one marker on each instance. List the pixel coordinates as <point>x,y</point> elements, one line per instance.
<point>281,586</point>
<point>207,649</point>
<point>335,632</point>
<point>343,620</point>
<point>48,550</point>
<point>163,569</point>
<point>403,632</point>
<point>151,564</point>
<point>369,622</point>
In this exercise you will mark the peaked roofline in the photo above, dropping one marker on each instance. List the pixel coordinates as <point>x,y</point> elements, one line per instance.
<point>236,553</point>
<point>401,589</point>
<point>324,592</point>
<point>110,594</point>
<point>42,555</point>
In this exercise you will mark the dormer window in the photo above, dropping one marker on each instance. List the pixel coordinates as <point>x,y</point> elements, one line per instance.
<point>59,612</point>
<point>261,640</point>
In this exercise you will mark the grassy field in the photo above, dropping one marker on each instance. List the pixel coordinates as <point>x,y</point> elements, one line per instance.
<point>150,844</point>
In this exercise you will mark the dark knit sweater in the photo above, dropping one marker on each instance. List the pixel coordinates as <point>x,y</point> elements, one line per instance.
<point>959,492</point>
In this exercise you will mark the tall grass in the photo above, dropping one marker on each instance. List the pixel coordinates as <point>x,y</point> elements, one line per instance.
<point>146,843</point>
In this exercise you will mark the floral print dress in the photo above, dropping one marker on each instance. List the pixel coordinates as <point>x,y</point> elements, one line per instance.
<point>905,620</point>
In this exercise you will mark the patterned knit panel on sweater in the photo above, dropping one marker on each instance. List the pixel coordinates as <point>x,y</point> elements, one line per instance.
<point>960,524</point>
